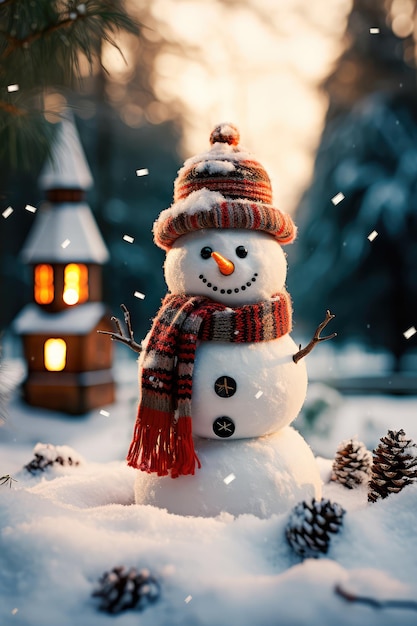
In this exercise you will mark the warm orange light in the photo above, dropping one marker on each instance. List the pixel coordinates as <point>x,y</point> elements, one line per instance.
<point>44,284</point>
<point>55,354</point>
<point>75,283</point>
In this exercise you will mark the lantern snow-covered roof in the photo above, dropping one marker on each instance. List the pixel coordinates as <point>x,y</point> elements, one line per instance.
<point>65,232</point>
<point>67,167</point>
<point>65,229</point>
<point>79,320</point>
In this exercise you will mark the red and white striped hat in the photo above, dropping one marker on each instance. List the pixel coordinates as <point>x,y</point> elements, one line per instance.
<point>222,188</point>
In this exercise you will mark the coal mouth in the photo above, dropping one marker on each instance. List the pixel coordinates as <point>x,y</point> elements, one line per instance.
<point>214,287</point>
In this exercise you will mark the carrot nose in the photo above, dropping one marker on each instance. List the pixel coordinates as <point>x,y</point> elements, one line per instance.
<point>225,266</point>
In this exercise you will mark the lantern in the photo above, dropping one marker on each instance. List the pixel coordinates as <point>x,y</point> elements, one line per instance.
<point>68,362</point>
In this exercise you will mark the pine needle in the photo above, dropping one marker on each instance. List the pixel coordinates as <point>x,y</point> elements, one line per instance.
<point>33,33</point>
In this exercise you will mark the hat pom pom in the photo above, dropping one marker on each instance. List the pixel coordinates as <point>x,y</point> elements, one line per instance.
<point>225,133</point>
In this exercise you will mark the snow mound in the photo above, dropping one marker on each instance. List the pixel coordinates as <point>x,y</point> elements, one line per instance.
<point>61,530</point>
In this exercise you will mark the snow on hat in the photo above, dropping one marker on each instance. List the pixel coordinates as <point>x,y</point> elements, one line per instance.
<point>222,188</point>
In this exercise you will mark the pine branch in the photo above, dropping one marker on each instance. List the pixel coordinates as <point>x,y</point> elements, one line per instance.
<point>31,35</point>
<point>99,19</point>
<point>316,339</point>
<point>12,109</point>
<point>25,42</point>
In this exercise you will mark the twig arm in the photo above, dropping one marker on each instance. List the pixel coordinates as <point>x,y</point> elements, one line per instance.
<point>126,338</point>
<point>128,323</point>
<point>316,339</point>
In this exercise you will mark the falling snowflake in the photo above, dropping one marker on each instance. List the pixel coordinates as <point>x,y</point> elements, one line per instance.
<point>229,479</point>
<point>30,208</point>
<point>65,243</point>
<point>410,332</point>
<point>372,235</point>
<point>105,413</point>
<point>338,198</point>
<point>374,31</point>
<point>142,172</point>
<point>7,212</point>
<point>11,88</point>
<point>258,394</point>
<point>128,238</point>
<point>139,295</point>
<point>188,599</point>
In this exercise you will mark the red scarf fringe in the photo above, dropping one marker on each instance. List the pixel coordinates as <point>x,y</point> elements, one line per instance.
<point>151,449</point>
<point>185,456</point>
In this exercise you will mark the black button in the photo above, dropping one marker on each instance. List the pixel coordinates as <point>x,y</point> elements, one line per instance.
<point>223,427</point>
<point>225,386</point>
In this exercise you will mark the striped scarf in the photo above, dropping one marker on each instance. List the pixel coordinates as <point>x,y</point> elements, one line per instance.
<point>162,439</point>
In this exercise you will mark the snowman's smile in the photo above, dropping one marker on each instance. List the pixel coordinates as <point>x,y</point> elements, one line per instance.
<point>214,287</point>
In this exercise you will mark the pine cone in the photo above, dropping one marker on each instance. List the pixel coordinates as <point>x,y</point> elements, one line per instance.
<point>46,455</point>
<point>123,589</point>
<point>394,466</point>
<point>310,526</point>
<point>352,464</point>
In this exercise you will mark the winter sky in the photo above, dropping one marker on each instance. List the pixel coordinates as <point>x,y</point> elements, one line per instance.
<point>255,63</point>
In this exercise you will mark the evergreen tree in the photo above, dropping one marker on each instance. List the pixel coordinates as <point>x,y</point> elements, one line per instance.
<point>367,153</point>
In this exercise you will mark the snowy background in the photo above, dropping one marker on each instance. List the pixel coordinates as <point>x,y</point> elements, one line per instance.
<point>63,528</point>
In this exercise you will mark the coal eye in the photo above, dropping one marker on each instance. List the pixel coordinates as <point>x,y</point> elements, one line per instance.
<point>241,252</point>
<point>206,252</point>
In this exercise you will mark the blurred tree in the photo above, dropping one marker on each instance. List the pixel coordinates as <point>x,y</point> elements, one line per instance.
<point>367,153</point>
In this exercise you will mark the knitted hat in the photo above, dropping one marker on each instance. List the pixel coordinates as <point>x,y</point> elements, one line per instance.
<point>222,188</point>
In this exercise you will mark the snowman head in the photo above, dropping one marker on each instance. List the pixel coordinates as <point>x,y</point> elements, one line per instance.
<point>222,234</point>
<point>230,266</point>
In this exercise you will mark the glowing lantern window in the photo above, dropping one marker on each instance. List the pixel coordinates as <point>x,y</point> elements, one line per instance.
<point>55,354</point>
<point>75,283</point>
<point>44,284</point>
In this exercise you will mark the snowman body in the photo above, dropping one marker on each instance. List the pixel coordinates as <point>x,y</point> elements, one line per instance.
<point>256,387</point>
<point>259,476</point>
<point>244,395</point>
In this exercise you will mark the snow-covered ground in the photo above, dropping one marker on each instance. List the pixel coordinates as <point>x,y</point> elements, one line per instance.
<point>62,529</point>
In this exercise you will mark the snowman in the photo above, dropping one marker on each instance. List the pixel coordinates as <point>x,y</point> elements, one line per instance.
<point>221,379</point>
